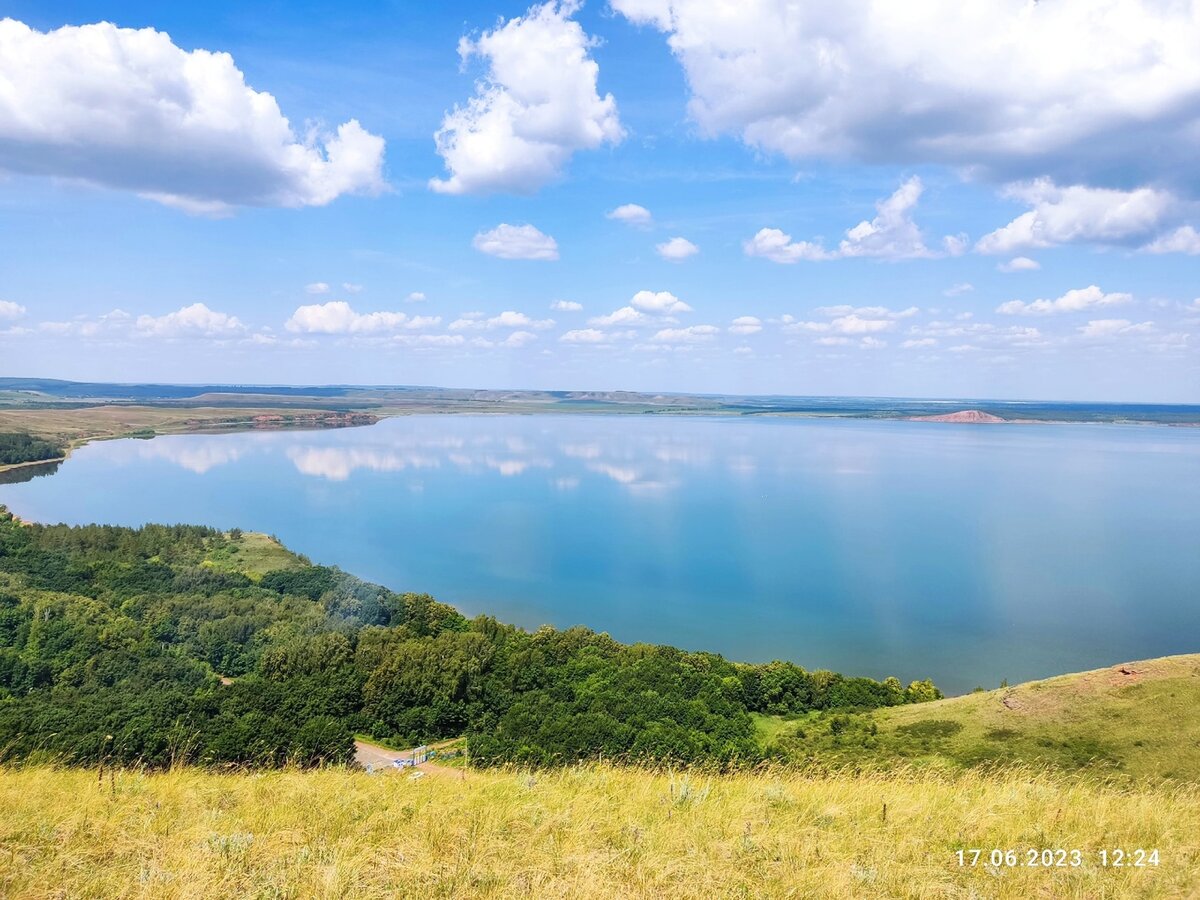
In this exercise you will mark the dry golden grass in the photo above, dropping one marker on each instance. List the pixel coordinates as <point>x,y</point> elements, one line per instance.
<point>586,832</point>
<point>78,426</point>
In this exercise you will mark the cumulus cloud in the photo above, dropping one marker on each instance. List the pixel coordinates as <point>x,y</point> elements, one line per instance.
<point>1076,300</point>
<point>196,320</point>
<point>850,320</point>
<point>874,312</point>
<point>11,310</point>
<point>693,334</point>
<point>631,214</point>
<point>510,318</point>
<point>516,242</point>
<point>317,287</point>
<point>519,339</point>
<point>1019,264</point>
<point>745,325</point>
<point>919,343</point>
<point>892,234</point>
<point>676,249</point>
<point>1062,215</point>
<point>585,336</point>
<point>982,87</point>
<point>1184,239</point>
<point>536,105</point>
<point>351,288</point>
<point>777,246</point>
<point>339,317</point>
<point>415,297</point>
<point>566,306</point>
<point>957,290</point>
<point>127,109</point>
<point>659,303</point>
<point>626,315</point>
<point>1107,328</point>
<point>513,319</point>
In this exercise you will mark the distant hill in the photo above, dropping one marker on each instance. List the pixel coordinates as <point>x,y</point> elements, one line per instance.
<point>34,393</point>
<point>964,417</point>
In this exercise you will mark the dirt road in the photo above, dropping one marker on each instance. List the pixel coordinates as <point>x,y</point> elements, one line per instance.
<point>380,759</point>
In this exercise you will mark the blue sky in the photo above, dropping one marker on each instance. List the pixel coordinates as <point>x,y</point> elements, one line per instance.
<point>835,199</point>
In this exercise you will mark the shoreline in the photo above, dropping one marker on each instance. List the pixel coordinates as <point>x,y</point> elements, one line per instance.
<point>286,419</point>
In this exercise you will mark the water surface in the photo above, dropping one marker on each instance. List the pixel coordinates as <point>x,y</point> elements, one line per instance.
<point>964,553</point>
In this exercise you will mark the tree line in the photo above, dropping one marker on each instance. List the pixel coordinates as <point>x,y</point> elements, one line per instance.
<point>136,645</point>
<point>22,448</point>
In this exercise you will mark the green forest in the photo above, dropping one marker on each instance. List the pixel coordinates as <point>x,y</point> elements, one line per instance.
<point>178,643</point>
<point>22,448</point>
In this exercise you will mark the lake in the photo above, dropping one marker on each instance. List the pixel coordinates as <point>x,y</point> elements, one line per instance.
<point>968,554</point>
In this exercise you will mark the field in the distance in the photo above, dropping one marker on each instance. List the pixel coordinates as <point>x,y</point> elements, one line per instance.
<point>583,832</point>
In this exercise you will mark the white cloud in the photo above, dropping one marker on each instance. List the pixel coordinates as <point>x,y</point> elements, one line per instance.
<point>659,302</point>
<point>351,288</point>
<point>631,214</point>
<point>11,310</point>
<point>536,106</point>
<point>626,315</point>
<point>745,325</point>
<point>1184,239</point>
<point>1019,264</point>
<point>317,287</point>
<point>1076,300</point>
<point>892,234</point>
<point>693,334</point>
<point>777,246</point>
<point>957,290</point>
<point>113,324</point>
<point>513,319</point>
<point>855,324</point>
<point>877,312</point>
<point>440,340</point>
<point>566,306</point>
<point>339,317</point>
<point>852,323</point>
<point>510,318</point>
<point>196,320</point>
<point>127,109</point>
<point>918,343</point>
<point>1075,91</point>
<point>872,343</point>
<point>1062,215</point>
<point>585,336</point>
<point>415,297</point>
<point>519,339</point>
<point>677,249</point>
<point>1107,328</point>
<point>516,242</point>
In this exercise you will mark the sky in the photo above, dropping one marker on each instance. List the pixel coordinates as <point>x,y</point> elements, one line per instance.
<point>994,200</point>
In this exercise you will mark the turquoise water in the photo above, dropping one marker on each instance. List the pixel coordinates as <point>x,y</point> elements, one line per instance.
<point>964,553</point>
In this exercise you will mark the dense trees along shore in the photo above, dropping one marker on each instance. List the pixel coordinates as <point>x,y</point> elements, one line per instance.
<point>178,643</point>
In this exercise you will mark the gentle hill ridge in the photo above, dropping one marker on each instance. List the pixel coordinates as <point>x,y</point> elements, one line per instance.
<point>1135,720</point>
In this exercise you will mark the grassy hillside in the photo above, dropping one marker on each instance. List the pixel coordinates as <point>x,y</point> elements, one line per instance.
<point>583,832</point>
<point>1136,720</point>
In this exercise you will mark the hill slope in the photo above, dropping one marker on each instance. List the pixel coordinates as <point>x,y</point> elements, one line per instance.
<point>1135,720</point>
<point>582,832</point>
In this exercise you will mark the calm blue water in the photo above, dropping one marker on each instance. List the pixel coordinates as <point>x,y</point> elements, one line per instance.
<point>965,553</point>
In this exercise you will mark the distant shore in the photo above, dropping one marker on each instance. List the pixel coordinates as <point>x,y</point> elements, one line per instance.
<point>74,414</point>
